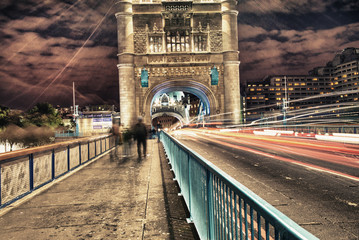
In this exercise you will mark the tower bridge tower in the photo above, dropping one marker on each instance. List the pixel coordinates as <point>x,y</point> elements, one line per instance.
<point>169,45</point>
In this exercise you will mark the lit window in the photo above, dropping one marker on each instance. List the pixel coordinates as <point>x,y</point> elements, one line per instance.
<point>315,79</point>
<point>303,84</point>
<point>252,89</point>
<point>200,43</point>
<point>344,76</point>
<point>296,84</point>
<point>290,89</point>
<point>155,44</point>
<point>336,78</point>
<point>279,99</point>
<point>277,79</point>
<point>254,97</point>
<point>177,41</point>
<point>277,84</point>
<point>278,94</point>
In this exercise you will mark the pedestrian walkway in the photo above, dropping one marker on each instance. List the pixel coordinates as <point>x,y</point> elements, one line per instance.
<point>111,198</point>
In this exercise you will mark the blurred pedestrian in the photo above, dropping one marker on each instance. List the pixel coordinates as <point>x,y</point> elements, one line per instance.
<point>140,135</point>
<point>118,136</point>
<point>158,132</point>
<point>127,143</point>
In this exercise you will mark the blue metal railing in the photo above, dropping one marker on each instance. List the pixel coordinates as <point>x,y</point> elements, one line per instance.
<point>222,208</point>
<point>26,170</point>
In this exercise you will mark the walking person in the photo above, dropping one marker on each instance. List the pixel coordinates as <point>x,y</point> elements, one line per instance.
<point>140,135</point>
<point>127,142</point>
<point>116,130</point>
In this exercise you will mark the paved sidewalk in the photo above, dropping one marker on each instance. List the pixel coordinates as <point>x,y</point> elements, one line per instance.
<point>111,198</point>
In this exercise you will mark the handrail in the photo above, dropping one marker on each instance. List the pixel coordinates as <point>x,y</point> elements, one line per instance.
<point>21,152</point>
<point>222,208</point>
<point>23,171</point>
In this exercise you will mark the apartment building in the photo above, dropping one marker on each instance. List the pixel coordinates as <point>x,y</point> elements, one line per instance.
<point>337,82</point>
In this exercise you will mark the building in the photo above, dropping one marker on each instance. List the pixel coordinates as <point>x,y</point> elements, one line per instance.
<point>335,83</point>
<point>166,46</point>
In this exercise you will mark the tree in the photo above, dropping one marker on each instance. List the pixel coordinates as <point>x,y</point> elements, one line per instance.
<point>12,134</point>
<point>4,112</point>
<point>44,114</point>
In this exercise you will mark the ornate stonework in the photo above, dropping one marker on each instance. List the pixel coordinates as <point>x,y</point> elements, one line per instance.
<point>140,42</point>
<point>177,42</point>
<point>216,41</point>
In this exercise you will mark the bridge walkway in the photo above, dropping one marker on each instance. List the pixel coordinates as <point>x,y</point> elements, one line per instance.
<point>111,197</point>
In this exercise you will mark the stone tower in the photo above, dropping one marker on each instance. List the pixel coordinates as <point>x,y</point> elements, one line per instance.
<point>178,46</point>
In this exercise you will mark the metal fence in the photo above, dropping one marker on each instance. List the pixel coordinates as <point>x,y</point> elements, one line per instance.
<point>23,171</point>
<point>219,206</point>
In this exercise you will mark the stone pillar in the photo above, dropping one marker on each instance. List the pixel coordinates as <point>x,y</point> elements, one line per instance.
<point>230,61</point>
<point>127,90</point>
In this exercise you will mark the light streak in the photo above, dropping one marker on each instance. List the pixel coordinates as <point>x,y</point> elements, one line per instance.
<point>284,159</point>
<point>73,58</point>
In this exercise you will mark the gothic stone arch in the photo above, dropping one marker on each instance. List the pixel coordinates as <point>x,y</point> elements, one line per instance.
<point>195,87</point>
<point>177,43</point>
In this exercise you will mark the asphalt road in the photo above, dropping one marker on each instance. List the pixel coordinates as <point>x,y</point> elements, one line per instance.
<point>315,183</point>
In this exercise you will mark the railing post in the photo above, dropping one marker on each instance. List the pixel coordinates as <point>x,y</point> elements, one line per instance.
<point>189,189</point>
<point>31,171</point>
<point>88,150</point>
<point>53,164</point>
<point>80,154</point>
<point>68,158</point>
<point>0,185</point>
<point>210,205</point>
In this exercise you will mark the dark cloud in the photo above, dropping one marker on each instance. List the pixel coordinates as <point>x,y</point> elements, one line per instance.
<point>292,37</point>
<point>47,45</point>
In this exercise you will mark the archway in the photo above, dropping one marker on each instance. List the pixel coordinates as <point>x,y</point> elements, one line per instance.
<point>204,93</point>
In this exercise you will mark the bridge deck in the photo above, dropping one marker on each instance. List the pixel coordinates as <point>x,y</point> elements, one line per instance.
<point>111,198</point>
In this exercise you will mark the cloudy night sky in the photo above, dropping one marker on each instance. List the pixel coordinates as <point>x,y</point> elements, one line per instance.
<point>48,44</point>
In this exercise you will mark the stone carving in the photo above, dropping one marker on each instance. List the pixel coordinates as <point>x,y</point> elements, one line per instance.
<point>216,41</point>
<point>201,58</point>
<point>140,43</point>
<point>155,59</point>
<point>177,8</point>
<point>155,29</point>
<point>174,59</point>
<point>200,27</point>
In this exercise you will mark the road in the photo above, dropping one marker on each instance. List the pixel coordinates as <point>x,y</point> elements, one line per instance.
<point>315,183</point>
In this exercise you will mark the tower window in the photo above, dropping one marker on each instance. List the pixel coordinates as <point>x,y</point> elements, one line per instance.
<point>177,41</point>
<point>155,44</point>
<point>200,43</point>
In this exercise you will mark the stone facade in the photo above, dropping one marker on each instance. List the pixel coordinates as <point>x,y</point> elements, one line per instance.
<point>177,42</point>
